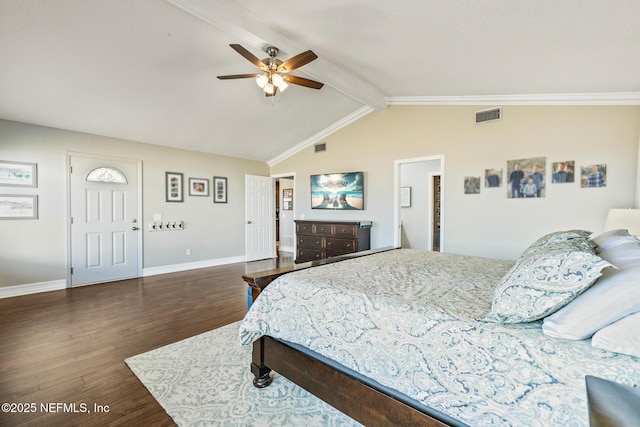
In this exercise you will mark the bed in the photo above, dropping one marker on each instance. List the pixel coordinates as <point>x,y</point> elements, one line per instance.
<point>406,337</point>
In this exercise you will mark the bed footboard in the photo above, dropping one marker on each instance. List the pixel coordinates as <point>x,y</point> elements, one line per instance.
<point>360,401</point>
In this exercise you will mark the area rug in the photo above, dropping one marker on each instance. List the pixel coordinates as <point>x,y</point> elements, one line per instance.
<point>205,381</point>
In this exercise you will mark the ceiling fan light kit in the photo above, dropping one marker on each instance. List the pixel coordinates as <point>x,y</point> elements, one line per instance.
<point>275,76</point>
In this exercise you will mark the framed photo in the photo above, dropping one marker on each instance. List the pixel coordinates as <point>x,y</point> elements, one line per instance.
<point>405,197</point>
<point>563,172</point>
<point>198,187</point>
<point>471,185</point>
<point>18,174</point>
<point>526,178</point>
<point>174,187</point>
<point>18,206</point>
<point>343,191</point>
<point>493,178</point>
<point>287,199</point>
<point>219,189</point>
<point>593,176</point>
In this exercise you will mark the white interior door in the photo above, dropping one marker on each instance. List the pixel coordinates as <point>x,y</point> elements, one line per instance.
<point>104,224</point>
<point>260,218</point>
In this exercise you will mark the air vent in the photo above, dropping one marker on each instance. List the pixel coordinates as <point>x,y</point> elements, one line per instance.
<point>488,115</point>
<point>320,147</point>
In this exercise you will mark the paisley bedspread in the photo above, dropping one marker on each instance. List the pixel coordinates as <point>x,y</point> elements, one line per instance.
<point>411,321</point>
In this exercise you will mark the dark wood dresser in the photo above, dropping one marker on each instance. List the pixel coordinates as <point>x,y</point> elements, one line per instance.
<point>323,239</point>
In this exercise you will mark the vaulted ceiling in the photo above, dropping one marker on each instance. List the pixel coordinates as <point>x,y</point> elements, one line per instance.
<point>145,70</point>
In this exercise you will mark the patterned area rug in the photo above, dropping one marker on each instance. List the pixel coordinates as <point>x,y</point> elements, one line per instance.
<point>205,381</point>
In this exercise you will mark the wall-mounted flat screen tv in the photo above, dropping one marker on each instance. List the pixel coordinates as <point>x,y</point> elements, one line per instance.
<point>341,191</point>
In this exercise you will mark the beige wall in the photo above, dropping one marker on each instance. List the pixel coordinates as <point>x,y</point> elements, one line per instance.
<point>487,224</point>
<point>34,251</point>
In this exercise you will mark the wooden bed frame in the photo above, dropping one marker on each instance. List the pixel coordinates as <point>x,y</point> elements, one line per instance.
<point>362,402</point>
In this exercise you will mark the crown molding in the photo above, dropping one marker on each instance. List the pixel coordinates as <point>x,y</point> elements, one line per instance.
<point>610,98</point>
<point>345,121</point>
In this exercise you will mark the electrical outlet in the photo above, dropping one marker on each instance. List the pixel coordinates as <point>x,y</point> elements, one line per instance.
<point>188,251</point>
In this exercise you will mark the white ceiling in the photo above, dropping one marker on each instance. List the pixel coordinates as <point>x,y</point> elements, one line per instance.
<point>145,70</point>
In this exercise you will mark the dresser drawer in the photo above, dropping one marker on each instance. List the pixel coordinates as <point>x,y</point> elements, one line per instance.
<point>304,228</point>
<point>309,242</point>
<point>306,255</point>
<point>345,230</point>
<point>341,245</point>
<point>324,229</point>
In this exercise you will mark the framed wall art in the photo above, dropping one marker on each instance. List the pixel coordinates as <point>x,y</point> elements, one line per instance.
<point>471,185</point>
<point>18,206</point>
<point>339,191</point>
<point>405,197</point>
<point>563,172</point>
<point>198,187</point>
<point>219,189</point>
<point>287,199</point>
<point>593,176</point>
<point>526,178</point>
<point>18,174</point>
<point>174,186</point>
<point>493,178</point>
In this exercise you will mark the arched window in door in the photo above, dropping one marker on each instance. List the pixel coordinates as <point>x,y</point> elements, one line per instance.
<point>106,174</point>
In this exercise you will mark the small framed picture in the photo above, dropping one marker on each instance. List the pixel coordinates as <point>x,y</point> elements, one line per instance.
<point>18,206</point>
<point>405,197</point>
<point>493,178</point>
<point>563,172</point>
<point>219,189</point>
<point>198,187</point>
<point>287,199</point>
<point>593,176</point>
<point>174,187</point>
<point>18,174</point>
<point>472,185</point>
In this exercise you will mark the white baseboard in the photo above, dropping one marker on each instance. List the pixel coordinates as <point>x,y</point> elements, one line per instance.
<point>285,249</point>
<point>56,285</point>
<point>32,288</point>
<point>163,269</point>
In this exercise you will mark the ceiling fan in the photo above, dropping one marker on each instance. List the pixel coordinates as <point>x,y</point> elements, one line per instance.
<point>275,73</point>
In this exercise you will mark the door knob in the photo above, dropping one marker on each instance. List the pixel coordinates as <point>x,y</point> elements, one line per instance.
<point>248,222</point>
<point>134,228</point>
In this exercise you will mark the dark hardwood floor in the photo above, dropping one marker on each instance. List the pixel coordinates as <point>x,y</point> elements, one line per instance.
<point>68,347</point>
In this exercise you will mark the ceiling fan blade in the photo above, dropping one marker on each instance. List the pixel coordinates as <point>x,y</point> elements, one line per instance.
<point>297,61</point>
<point>247,55</point>
<point>301,81</point>
<point>238,76</point>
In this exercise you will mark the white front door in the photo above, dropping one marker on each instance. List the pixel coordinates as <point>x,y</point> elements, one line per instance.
<point>260,218</point>
<point>104,220</point>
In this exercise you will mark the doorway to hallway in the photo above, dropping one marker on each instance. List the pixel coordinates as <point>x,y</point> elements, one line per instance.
<point>419,197</point>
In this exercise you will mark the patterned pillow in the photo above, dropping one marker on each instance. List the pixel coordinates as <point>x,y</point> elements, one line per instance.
<point>575,238</point>
<point>542,283</point>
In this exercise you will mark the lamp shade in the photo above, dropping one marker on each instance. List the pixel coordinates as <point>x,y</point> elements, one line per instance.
<point>627,219</point>
<point>262,80</point>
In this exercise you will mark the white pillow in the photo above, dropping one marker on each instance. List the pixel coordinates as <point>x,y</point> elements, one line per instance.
<point>622,336</point>
<point>615,295</point>
<point>625,255</point>
<point>612,238</point>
